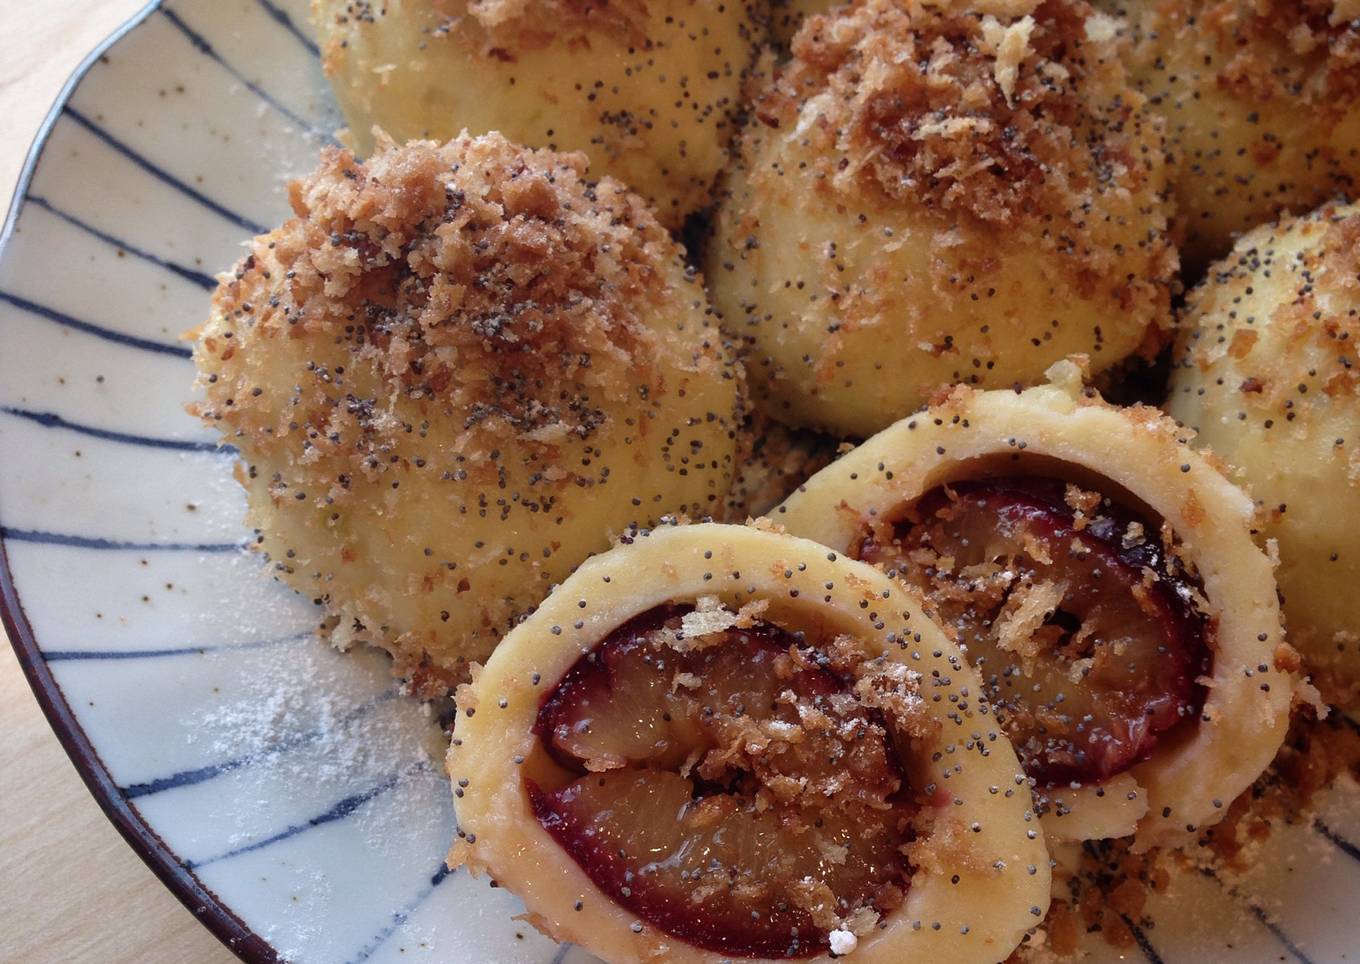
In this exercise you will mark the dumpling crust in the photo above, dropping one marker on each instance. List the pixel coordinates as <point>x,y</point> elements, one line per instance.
<point>1262,104</point>
<point>648,90</point>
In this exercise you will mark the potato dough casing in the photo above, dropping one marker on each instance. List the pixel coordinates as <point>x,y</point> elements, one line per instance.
<point>454,375</point>
<point>647,89</point>
<point>1266,374</point>
<point>930,194</point>
<point>787,16</point>
<point>1001,862</point>
<point>1190,778</point>
<point>1262,103</point>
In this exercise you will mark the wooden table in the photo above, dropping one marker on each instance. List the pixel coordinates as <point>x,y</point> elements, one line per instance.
<point>70,889</point>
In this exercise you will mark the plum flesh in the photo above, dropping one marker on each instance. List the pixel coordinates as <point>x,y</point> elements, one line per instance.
<point>731,791</point>
<point>1080,621</point>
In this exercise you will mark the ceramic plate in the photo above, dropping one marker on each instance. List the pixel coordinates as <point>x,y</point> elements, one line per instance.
<point>282,790</point>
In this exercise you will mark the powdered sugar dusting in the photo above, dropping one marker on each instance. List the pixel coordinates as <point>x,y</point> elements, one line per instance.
<point>326,769</point>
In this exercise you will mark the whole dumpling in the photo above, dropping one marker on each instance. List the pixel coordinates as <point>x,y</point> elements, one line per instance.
<point>648,90</point>
<point>720,743</point>
<point>459,371</point>
<point>1266,372</point>
<point>1262,101</point>
<point>930,194</point>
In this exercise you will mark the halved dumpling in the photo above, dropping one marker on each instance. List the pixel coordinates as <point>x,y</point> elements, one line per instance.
<point>1103,580</point>
<point>720,741</point>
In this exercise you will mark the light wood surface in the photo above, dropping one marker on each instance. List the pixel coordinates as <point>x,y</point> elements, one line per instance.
<point>70,889</point>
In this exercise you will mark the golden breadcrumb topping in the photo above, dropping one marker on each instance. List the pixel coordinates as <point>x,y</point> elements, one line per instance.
<point>1341,256</point>
<point>1306,50</point>
<point>994,110</point>
<point>479,273</point>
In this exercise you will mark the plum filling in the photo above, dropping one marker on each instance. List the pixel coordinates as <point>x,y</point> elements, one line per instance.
<point>727,784</point>
<point>1078,617</point>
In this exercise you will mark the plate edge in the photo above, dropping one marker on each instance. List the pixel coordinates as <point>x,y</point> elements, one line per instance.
<point>202,903</point>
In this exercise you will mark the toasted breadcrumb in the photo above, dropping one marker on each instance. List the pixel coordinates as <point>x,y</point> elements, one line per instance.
<point>1027,608</point>
<point>970,112</point>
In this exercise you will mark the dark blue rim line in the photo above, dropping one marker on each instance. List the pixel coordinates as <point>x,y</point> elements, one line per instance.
<point>39,537</point>
<point>199,278</point>
<point>1285,941</point>
<point>99,331</point>
<point>52,420</point>
<point>188,778</point>
<point>206,49</point>
<point>401,917</point>
<point>160,174</point>
<point>145,842</point>
<point>562,953</point>
<point>1259,913</point>
<point>281,16</point>
<point>340,811</point>
<point>1141,938</point>
<point>1342,844</point>
<point>79,655</point>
